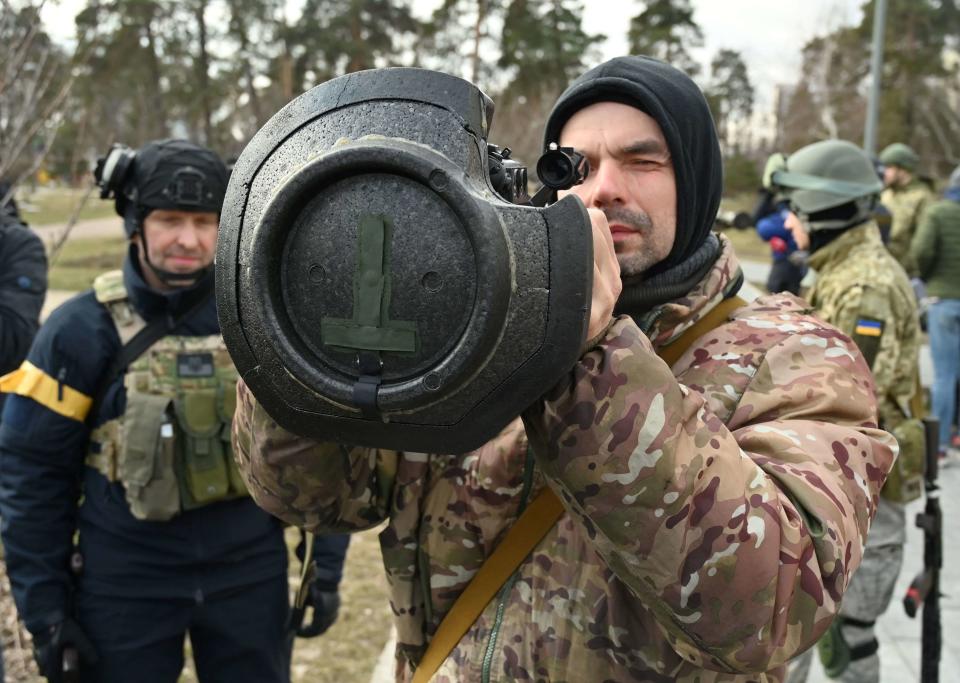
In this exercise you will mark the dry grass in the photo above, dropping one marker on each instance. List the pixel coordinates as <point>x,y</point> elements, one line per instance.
<point>349,650</point>
<point>347,653</point>
<point>83,258</point>
<point>19,666</point>
<point>748,245</point>
<point>55,205</point>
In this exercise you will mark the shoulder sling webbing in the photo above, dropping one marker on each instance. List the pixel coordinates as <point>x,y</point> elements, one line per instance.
<point>139,343</point>
<point>530,528</point>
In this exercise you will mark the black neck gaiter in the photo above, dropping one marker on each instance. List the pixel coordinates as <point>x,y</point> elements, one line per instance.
<point>642,293</point>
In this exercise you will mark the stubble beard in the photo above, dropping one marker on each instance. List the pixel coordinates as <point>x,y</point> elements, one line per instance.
<point>637,252</point>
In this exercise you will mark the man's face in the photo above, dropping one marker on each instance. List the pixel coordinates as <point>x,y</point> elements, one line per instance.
<point>631,180</point>
<point>894,176</point>
<point>178,242</point>
<point>800,234</point>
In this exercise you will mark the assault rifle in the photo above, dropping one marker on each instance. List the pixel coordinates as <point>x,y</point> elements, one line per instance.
<point>925,588</point>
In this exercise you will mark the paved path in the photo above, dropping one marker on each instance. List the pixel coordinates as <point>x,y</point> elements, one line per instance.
<point>86,229</point>
<point>112,226</point>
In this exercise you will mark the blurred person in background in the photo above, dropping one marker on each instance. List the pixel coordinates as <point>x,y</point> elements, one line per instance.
<point>936,251</point>
<point>23,286</point>
<point>787,269</point>
<point>906,196</point>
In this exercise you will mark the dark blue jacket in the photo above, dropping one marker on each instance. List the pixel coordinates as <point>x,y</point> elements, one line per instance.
<point>219,547</point>
<point>772,225</point>
<point>23,286</point>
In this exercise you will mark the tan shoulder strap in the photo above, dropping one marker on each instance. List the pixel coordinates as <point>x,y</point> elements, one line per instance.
<point>718,315</point>
<point>111,292</point>
<point>530,528</point>
<point>540,516</point>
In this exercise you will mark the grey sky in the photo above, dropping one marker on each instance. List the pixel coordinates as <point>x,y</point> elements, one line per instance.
<point>768,33</point>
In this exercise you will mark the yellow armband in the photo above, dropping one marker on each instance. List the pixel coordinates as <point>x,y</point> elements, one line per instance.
<point>31,382</point>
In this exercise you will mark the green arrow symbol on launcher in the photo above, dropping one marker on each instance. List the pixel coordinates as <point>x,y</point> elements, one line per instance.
<point>371,329</point>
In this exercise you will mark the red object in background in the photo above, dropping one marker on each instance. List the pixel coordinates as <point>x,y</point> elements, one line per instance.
<point>779,245</point>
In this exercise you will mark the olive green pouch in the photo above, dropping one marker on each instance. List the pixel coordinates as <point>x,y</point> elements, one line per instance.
<point>205,477</point>
<point>905,481</point>
<point>146,465</point>
<point>834,651</point>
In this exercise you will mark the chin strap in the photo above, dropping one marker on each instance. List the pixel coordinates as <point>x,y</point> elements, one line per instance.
<point>168,277</point>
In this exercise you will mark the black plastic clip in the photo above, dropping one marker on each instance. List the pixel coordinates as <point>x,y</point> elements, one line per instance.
<point>368,383</point>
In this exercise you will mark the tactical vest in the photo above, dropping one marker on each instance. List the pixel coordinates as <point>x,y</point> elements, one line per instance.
<point>171,447</point>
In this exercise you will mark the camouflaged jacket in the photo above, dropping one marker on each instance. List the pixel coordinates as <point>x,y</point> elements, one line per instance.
<point>862,290</point>
<point>715,510</point>
<point>906,205</point>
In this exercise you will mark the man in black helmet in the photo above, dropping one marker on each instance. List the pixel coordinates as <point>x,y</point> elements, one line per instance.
<point>693,493</point>
<point>125,524</point>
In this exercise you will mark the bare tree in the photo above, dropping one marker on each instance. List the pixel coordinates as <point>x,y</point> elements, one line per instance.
<point>35,80</point>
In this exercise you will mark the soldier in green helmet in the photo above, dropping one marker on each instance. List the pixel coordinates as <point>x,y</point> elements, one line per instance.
<point>832,189</point>
<point>906,196</point>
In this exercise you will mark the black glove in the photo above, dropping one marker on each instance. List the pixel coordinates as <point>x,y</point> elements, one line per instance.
<point>49,647</point>
<point>325,605</point>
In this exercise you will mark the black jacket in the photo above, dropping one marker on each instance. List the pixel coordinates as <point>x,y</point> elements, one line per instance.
<point>219,547</point>
<point>23,286</point>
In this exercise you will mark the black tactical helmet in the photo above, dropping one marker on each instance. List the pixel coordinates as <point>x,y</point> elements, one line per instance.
<point>163,174</point>
<point>827,175</point>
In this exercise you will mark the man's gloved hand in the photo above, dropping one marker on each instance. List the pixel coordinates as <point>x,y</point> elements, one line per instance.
<point>325,605</point>
<point>48,649</point>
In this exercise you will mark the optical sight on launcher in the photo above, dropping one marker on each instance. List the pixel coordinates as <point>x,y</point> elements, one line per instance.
<point>384,278</point>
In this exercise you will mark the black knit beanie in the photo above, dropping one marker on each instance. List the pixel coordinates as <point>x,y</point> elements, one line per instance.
<point>675,102</point>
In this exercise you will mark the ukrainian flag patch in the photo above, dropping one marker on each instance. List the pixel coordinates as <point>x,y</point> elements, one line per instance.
<point>869,327</point>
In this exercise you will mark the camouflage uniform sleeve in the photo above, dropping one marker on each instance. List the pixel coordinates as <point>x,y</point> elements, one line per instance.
<point>906,210</point>
<point>873,320</point>
<point>323,487</point>
<point>739,537</point>
<point>899,237</point>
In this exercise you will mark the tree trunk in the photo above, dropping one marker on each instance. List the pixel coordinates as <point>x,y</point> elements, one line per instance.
<point>159,127</point>
<point>203,72</point>
<point>482,8</point>
<point>248,76</point>
<point>356,62</point>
